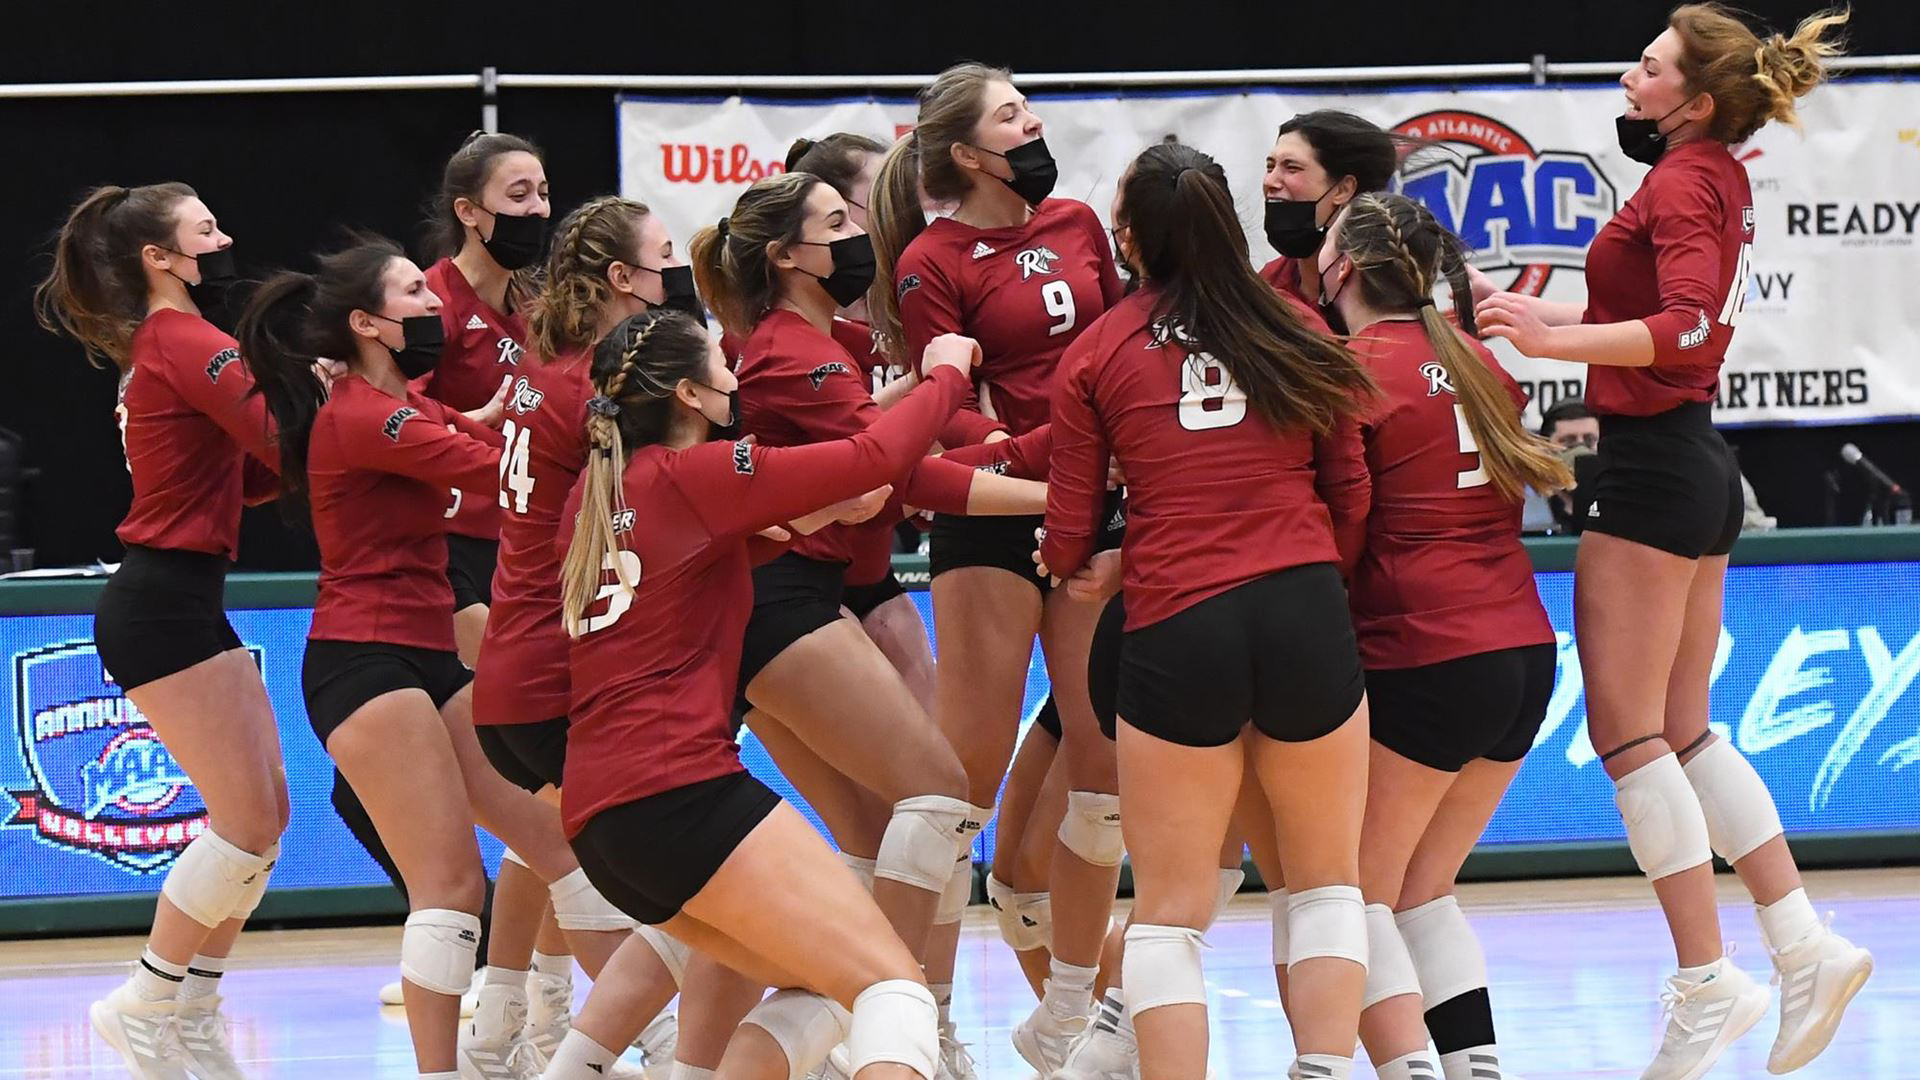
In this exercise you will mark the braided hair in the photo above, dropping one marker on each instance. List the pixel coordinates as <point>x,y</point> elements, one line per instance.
<point>1401,253</point>
<point>636,370</point>
<point>566,315</point>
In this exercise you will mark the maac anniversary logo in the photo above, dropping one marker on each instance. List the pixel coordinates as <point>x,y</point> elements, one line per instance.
<point>1517,207</point>
<point>102,782</point>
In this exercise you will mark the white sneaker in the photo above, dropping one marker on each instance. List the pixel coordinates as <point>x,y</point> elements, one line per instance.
<point>391,995</point>
<point>504,1053</point>
<point>549,1011</point>
<point>1105,1050</point>
<point>144,1033</point>
<point>956,1061</point>
<point>1817,976</point>
<point>1043,1037</point>
<point>1703,1019</point>
<point>657,1042</point>
<point>203,1039</point>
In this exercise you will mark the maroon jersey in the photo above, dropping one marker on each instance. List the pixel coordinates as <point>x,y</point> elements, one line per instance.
<point>1443,575</point>
<point>1676,257</point>
<point>800,386</point>
<point>378,469</point>
<point>521,675</point>
<point>1283,273</point>
<point>655,671</point>
<point>482,346</point>
<point>188,422</point>
<point>1215,497</point>
<point>1024,292</point>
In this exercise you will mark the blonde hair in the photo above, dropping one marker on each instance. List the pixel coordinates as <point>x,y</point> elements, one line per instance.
<point>1400,253</point>
<point>731,264</point>
<point>567,313</point>
<point>1750,80</point>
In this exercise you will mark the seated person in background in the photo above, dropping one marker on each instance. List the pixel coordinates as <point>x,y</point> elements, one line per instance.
<point>1570,426</point>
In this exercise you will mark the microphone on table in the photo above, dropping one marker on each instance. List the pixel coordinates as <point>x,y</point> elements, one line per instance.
<point>1851,454</point>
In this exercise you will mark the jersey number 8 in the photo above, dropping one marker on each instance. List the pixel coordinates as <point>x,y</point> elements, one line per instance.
<point>1208,397</point>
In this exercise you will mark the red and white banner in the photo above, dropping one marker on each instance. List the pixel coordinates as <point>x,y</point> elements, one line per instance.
<point>1829,332</point>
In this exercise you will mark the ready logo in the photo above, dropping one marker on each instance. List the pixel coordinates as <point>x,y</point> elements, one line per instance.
<point>103,785</point>
<point>1517,207</point>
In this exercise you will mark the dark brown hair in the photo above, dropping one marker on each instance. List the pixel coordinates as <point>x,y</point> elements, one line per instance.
<point>1751,81</point>
<point>96,292</point>
<point>465,177</point>
<point>836,159</point>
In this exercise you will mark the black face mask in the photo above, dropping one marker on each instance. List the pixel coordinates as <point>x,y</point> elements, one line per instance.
<point>1129,281</point>
<point>853,267</point>
<point>729,431</point>
<point>517,241</point>
<point>1034,170</point>
<point>422,337</point>
<point>1335,321</point>
<point>1641,138</point>
<point>1293,228</point>
<point>676,284</point>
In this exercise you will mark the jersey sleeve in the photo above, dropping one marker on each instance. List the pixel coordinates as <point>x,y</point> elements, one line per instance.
<point>739,488</point>
<point>1343,483</point>
<point>1023,457</point>
<point>1111,287</point>
<point>1688,221</point>
<point>1077,480</point>
<point>205,369</point>
<point>930,306</point>
<point>414,442</point>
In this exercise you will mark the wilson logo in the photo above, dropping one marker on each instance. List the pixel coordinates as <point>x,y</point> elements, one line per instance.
<point>684,163</point>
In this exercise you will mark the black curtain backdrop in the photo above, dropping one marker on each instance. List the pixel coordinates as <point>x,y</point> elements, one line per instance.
<point>287,173</point>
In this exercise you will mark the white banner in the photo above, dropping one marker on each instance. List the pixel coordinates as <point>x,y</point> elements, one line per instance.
<point>1831,329</point>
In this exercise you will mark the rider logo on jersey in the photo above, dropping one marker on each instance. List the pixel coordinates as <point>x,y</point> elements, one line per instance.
<point>1037,260</point>
<point>1437,378</point>
<point>510,352</point>
<point>1517,207</point>
<point>101,783</point>
<point>525,398</point>
<point>1165,329</point>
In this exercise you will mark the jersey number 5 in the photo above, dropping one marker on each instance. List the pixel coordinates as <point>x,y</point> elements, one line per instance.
<point>514,475</point>
<point>1208,397</point>
<point>1476,476</point>
<point>625,566</point>
<point>1058,296</point>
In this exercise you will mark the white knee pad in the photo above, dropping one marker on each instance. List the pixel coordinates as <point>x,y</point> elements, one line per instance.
<point>250,899</point>
<point>1328,921</point>
<point>1161,966</point>
<point>1277,901</point>
<point>1026,919</point>
<point>1666,829</point>
<point>1446,953</point>
<point>1739,809</point>
<point>508,855</point>
<point>212,877</point>
<point>862,869</point>
<point>921,838</point>
<point>1091,828</point>
<point>671,950</point>
<point>806,1025</point>
<point>1230,882</point>
<point>577,905</point>
<point>436,950</point>
<point>1390,970</point>
<point>958,893</point>
<point>896,1021</point>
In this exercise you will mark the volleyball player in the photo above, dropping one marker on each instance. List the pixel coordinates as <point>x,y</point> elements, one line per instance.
<point>1166,384</point>
<point>1666,278</point>
<point>1457,647</point>
<point>1025,274</point>
<point>386,693</point>
<point>728,868</point>
<point>1320,162</point>
<point>131,268</point>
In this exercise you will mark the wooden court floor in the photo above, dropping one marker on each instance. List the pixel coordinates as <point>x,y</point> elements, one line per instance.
<point>1576,969</point>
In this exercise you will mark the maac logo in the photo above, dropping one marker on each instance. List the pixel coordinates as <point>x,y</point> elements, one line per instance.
<point>102,782</point>
<point>819,375</point>
<point>391,429</point>
<point>219,363</point>
<point>1036,260</point>
<point>1517,207</point>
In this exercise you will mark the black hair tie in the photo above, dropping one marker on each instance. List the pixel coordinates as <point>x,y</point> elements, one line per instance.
<point>725,228</point>
<point>1426,302</point>
<point>602,405</point>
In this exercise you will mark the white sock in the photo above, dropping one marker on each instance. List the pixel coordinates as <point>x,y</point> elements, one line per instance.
<point>1070,988</point>
<point>155,979</point>
<point>684,1071</point>
<point>454,1075</point>
<point>1788,920</point>
<point>579,1058</point>
<point>1701,973</point>
<point>503,976</point>
<point>203,977</point>
<point>943,999</point>
<point>1321,1067</point>
<point>1473,1063</point>
<point>558,967</point>
<point>1415,1066</point>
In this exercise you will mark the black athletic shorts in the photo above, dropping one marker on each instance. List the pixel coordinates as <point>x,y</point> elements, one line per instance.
<point>1008,542</point>
<point>162,612</point>
<point>530,755</point>
<point>1488,705</point>
<point>863,600</point>
<point>340,676</point>
<point>792,597</point>
<point>1668,481</point>
<point>1048,718</point>
<point>470,562</point>
<point>650,856</point>
<point>1278,651</point>
<point>1103,662</point>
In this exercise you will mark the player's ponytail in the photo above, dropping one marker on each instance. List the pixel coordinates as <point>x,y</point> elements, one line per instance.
<point>732,266</point>
<point>636,370</point>
<point>1175,203</point>
<point>96,292</point>
<point>1400,252</point>
<point>1752,81</point>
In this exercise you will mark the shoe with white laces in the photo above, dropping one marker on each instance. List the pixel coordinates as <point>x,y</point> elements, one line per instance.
<point>657,1042</point>
<point>203,1039</point>
<point>1043,1037</point>
<point>1703,1019</point>
<point>1106,1049</point>
<point>391,994</point>
<point>1817,976</point>
<point>956,1061</point>
<point>144,1033</point>
<point>549,1011</point>
<point>492,1046</point>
